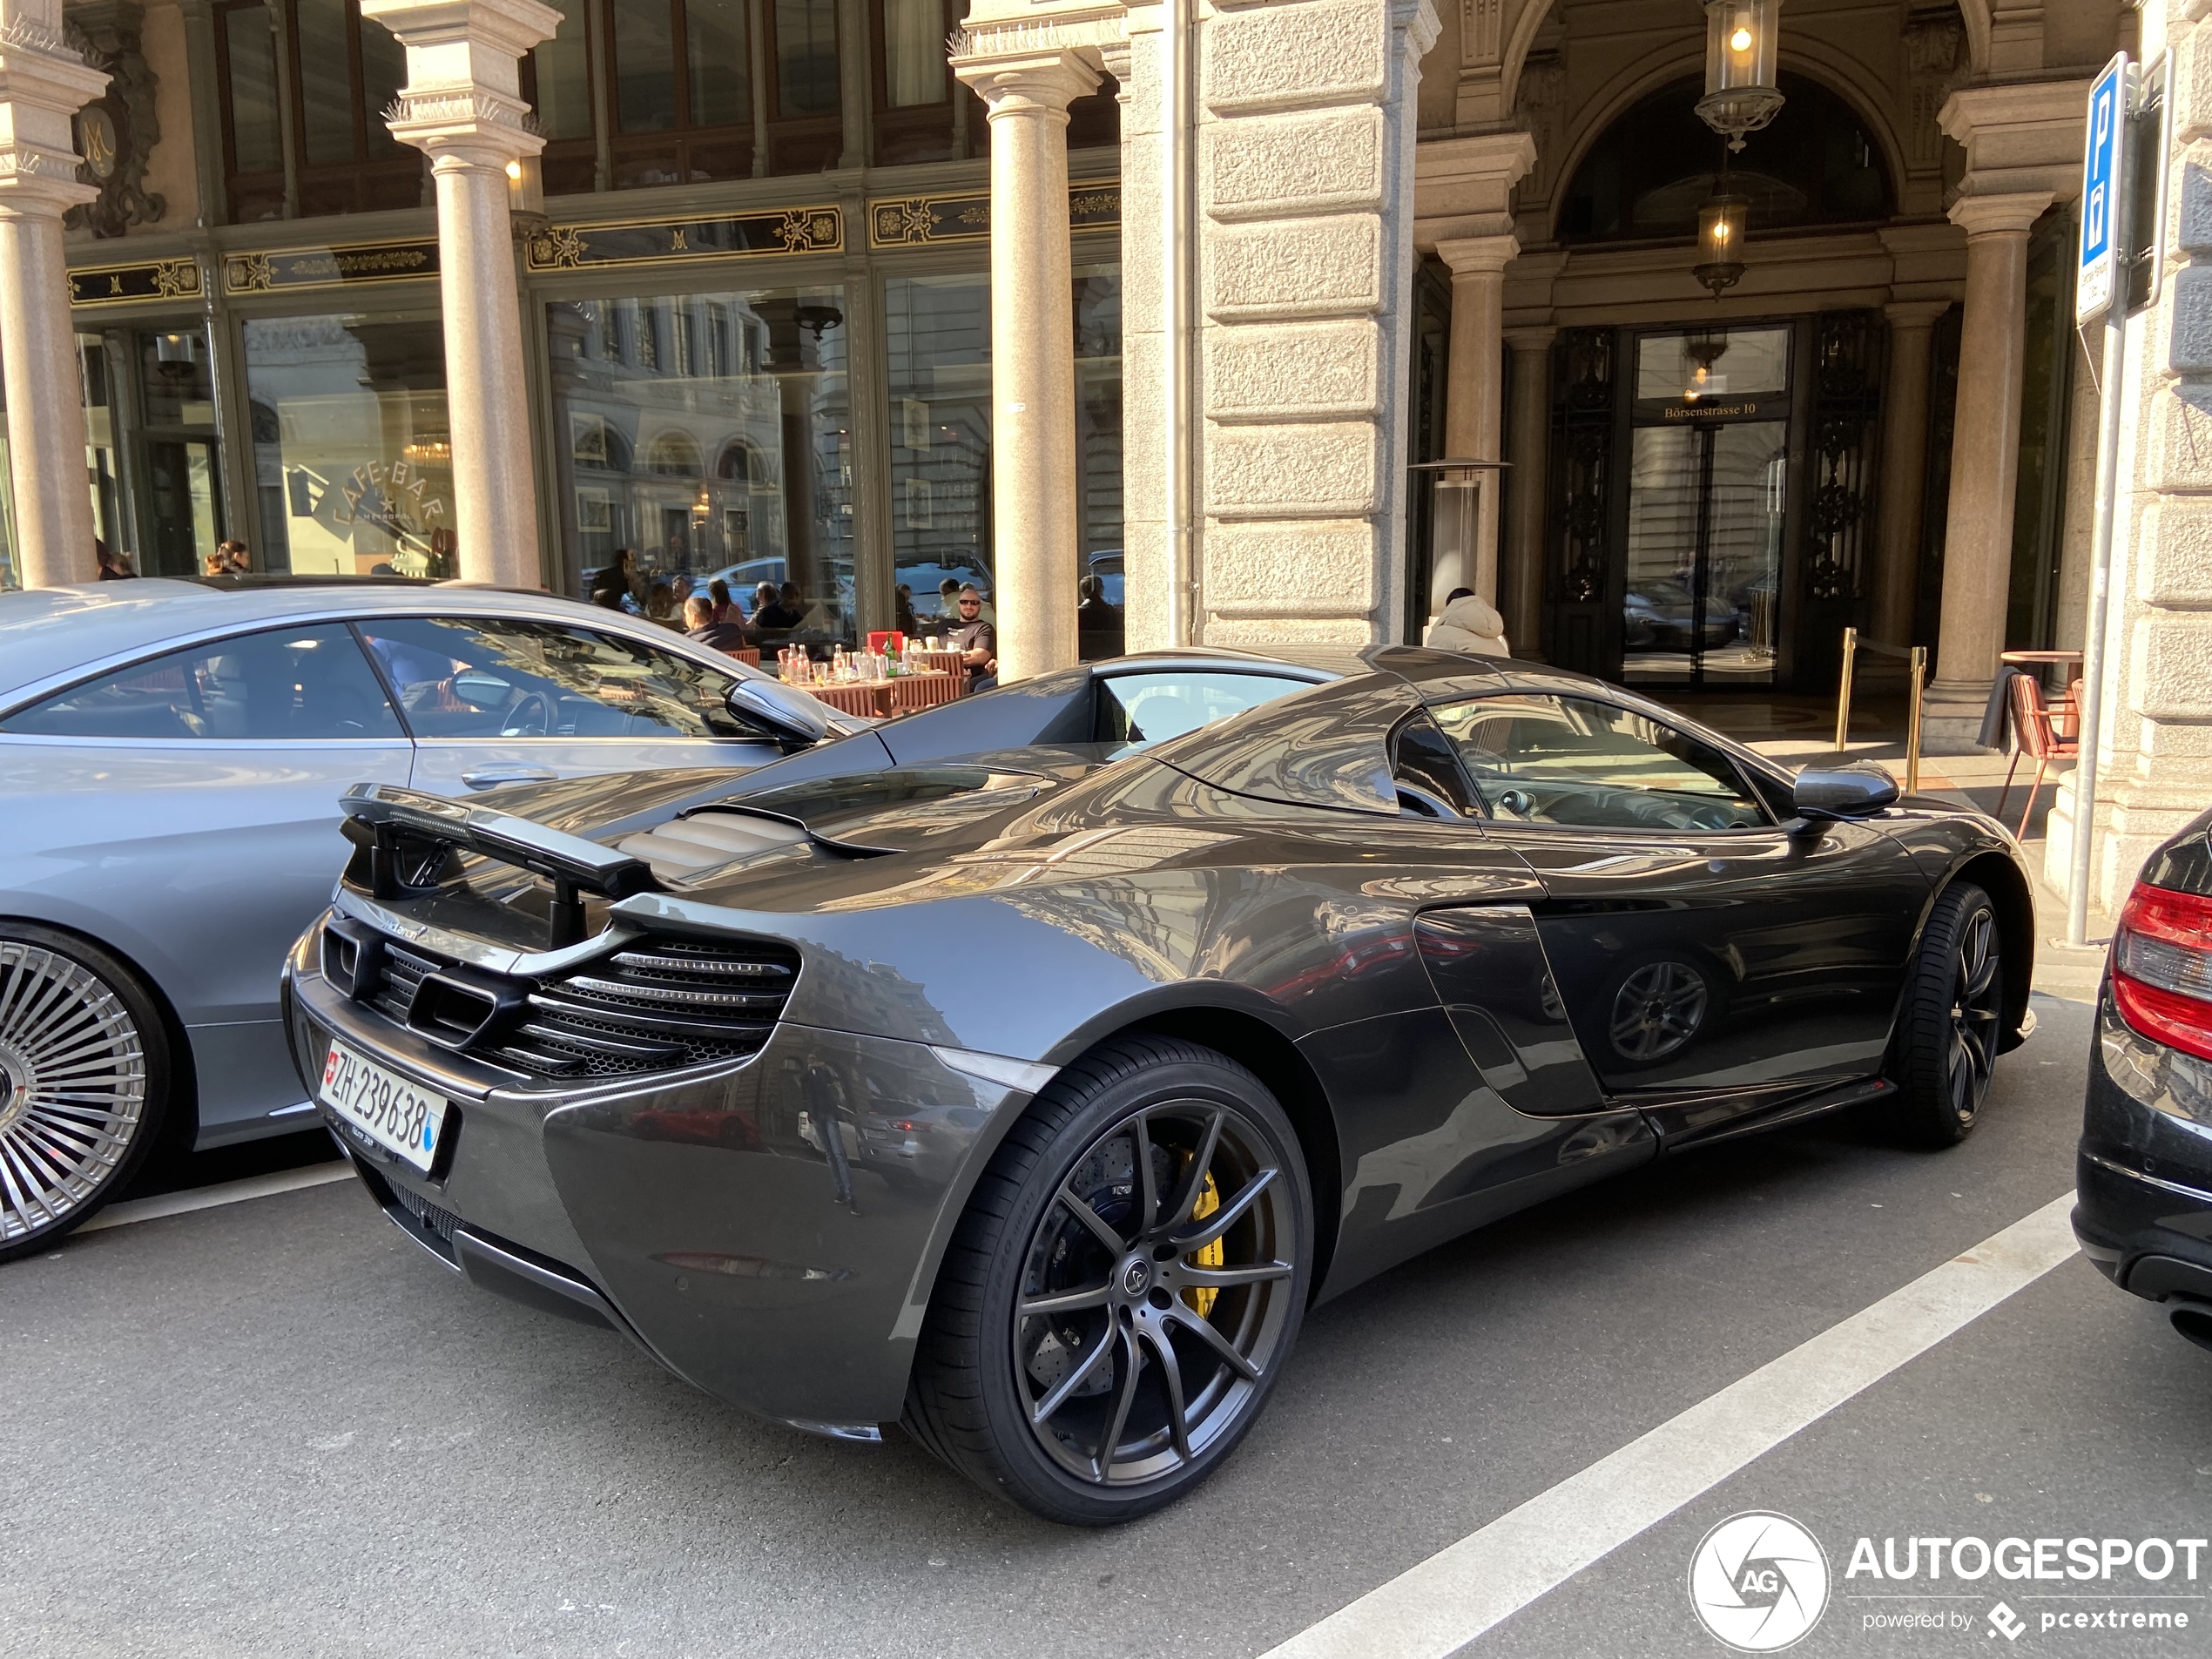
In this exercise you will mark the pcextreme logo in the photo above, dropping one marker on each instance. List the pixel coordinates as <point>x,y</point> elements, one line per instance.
<point>1758,1581</point>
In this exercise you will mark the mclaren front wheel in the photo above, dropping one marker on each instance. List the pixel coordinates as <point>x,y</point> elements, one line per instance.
<point>1124,1289</point>
<point>84,1078</point>
<point>1946,1047</point>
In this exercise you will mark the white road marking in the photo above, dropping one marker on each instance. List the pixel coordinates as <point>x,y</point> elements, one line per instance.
<point>183,1203</point>
<point>1436,1608</point>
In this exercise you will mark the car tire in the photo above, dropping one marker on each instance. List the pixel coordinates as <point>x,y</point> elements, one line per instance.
<point>84,1071</point>
<point>1157,1354</point>
<point>1946,1041</point>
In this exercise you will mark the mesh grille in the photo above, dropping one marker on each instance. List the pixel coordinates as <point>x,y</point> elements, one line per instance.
<point>655,1006</point>
<point>441,1221</point>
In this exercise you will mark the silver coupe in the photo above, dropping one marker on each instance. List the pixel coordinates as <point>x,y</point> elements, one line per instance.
<point>171,754</point>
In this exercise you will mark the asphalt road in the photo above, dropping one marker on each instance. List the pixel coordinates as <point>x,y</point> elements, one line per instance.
<point>278,1428</point>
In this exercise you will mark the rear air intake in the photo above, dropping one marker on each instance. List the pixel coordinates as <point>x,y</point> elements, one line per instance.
<point>656,1005</point>
<point>653,1007</point>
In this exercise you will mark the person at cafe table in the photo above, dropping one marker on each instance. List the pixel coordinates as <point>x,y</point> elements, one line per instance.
<point>976,641</point>
<point>699,624</point>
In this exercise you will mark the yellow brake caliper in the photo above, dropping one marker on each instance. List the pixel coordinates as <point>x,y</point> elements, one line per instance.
<point>1213,1255</point>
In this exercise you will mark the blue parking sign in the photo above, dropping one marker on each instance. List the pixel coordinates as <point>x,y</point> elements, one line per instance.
<point>2101,182</point>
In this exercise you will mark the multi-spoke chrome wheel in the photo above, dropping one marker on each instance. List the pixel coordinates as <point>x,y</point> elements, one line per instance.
<point>78,1084</point>
<point>1152,1294</point>
<point>1123,1288</point>
<point>1659,1008</point>
<point>1976,1004</point>
<point>1945,1052</point>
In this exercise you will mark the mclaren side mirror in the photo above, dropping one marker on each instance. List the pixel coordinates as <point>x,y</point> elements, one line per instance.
<point>1849,792</point>
<point>788,715</point>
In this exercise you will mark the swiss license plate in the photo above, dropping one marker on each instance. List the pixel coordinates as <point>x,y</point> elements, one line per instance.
<point>383,1105</point>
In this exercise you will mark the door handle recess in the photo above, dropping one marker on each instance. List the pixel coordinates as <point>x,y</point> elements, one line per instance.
<point>492,776</point>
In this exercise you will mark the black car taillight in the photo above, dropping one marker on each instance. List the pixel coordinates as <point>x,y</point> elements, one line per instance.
<point>2161,967</point>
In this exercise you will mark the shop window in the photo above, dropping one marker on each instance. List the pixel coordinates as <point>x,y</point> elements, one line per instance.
<point>1646,175</point>
<point>937,330</point>
<point>938,339</point>
<point>176,450</point>
<point>353,455</point>
<point>338,72</point>
<point>755,381</point>
<point>1098,449</point>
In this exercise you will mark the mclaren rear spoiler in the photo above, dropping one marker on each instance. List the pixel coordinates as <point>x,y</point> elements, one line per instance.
<point>384,818</point>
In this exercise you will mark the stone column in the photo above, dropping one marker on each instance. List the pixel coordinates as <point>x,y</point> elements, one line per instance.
<point>1527,524</point>
<point>1032,353</point>
<point>1472,397</point>
<point>1984,449</point>
<point>1905,468</point>
<point>43,83</point>
<point>462,107</point>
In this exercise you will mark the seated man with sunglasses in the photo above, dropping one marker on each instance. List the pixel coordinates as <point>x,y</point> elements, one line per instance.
<point>977,642</point>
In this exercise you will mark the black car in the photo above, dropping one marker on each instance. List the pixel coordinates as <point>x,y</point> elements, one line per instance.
<point>2144,1172</point>
<point>1030,1099</point>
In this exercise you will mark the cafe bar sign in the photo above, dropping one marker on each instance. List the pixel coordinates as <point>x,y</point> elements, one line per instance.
<point>116,285</point>
<point>662,241</point>
<point>288,270</point>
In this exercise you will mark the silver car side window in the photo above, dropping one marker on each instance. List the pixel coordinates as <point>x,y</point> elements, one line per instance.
<point>503,677</point>
<point>304,684</point>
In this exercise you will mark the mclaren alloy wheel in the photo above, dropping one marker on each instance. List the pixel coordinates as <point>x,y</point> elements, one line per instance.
<point>83,1080</point>
<point>1125,1288</point>
<point>1954,1004</point>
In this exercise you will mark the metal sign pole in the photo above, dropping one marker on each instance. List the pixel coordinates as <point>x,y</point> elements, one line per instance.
<point>2101,283</point>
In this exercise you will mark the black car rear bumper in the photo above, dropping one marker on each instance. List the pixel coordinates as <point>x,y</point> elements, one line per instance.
<point>768,1229</point>
<point>2143,1174</point>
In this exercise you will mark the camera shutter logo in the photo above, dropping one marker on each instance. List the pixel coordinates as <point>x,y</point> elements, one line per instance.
<point>1758,1581</point>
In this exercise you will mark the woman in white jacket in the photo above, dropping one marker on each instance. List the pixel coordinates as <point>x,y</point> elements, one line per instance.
<point>1467,624</point>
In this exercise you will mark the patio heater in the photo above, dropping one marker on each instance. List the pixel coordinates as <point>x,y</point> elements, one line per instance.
<point>1444,558</point>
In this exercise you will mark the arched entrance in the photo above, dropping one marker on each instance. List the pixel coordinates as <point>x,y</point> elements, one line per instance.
<point>1713,471</point>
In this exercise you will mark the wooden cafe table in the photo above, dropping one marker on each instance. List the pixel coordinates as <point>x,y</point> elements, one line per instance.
<point>882,698</point>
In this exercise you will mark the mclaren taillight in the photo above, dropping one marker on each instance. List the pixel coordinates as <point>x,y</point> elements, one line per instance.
<point>2161,967</point>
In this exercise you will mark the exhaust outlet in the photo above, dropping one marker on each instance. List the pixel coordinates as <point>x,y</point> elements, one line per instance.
<point>2193,1320</point>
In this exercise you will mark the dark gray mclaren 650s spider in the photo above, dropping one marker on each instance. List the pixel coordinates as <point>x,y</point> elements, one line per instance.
<point>1021,1076</point>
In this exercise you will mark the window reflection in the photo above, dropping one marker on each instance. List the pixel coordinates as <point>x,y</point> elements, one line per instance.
<point>709,434</point>
<point>353,458</point>
<point>937,330</point>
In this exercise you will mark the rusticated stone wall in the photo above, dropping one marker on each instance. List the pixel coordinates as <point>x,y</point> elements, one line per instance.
<point>2156,759</point>
<point>1304,253</point>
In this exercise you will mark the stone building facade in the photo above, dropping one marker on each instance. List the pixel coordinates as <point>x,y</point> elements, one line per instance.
<point>2155,758</point>
<point>802,289</point>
